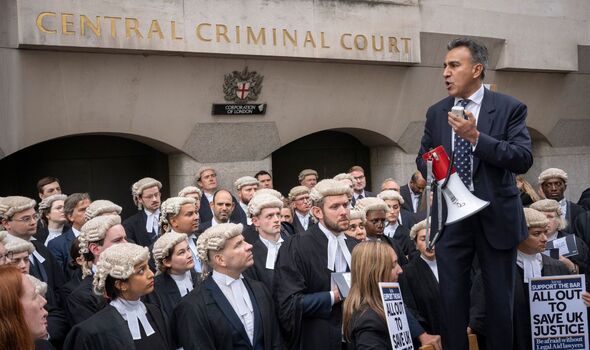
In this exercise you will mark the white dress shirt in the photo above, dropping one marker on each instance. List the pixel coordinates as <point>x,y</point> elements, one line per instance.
<point>338,253</point>
<point>303,219</point>
<point>563,206</point>
<point>273,251</point>
<point>390,229</point>
<point>237,294</point>
<point>245,208</point>
<point>152,221</point>
<point>415,199</point>
<point>433,266</point>
<point>134,312</point>
<point>531,264</point>
<point>184,282</point>
<point>474,107</point>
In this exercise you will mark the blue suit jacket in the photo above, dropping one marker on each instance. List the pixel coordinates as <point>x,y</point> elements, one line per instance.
<point>60,247</point>
<point>503,150</point>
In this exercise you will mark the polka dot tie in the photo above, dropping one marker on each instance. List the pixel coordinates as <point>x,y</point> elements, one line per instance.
<point>462,152</point>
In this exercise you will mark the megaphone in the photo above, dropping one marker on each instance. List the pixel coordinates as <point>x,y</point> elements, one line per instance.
<point>461,203</point>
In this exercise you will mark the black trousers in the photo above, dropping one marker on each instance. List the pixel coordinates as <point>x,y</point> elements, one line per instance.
<point>454,254</point>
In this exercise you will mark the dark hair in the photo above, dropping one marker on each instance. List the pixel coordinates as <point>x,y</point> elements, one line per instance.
<point>479,52</point>
<point>45,181</point>
<point>262,172</point>
<point>74,254</point>
<point>415,176</point>
<point>73,200</point>
<point>356,168</point>
<point>221,190</point>
<point>109,287</point>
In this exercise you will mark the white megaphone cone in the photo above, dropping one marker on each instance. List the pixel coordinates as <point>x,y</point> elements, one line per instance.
<point>460,202</point>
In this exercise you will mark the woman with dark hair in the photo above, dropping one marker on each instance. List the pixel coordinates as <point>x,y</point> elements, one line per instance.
<point>122,276</point>
<point>363,317</point>
<point>23,318</point>
<point>74,269</point>
<point>53,217</point>
<point>175,276</point>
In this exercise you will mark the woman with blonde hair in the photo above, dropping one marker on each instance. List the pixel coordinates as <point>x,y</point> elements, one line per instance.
<point>363,317</point>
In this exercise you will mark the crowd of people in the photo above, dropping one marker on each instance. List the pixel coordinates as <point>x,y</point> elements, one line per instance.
<point>257,274</point>
<point>251,268</point>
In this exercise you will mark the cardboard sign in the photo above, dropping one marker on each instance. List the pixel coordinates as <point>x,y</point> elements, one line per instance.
<point>395,313</point>
<point>558,314</point>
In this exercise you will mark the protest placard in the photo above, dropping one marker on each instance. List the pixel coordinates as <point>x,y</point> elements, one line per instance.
<point>395,313</point>
<point>558,314</point>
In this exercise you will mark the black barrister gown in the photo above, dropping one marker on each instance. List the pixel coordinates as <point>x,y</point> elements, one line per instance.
<point>107,330</point>
<point>421,294</point>
<point>205,320</point>
<point>301,285</point>
<point>166,294</point>
<point>258,271</point>
<point>402,238</point>
<point>83,303</point>
<point>399,252</point>
<point>522,310</point>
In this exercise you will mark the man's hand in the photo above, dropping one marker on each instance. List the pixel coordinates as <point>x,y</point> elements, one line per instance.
<point>569,264</point>
<point>586,298</point>
<point>337,297</point>
<point>428,339</point>
<point>466,128</point>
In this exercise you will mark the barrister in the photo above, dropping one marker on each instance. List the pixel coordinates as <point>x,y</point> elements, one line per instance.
<point>490,146</point>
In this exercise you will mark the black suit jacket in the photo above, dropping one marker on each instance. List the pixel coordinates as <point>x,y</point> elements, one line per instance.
<point>258,271</point>
<point>297,224</point>
<point>405,193</point>
<point>205,213</point>
<point>135,229</point>
<point>367,194</point>
<point>301,289</point>
<point>503,150</point>
<point>52,274</point>
<point>205,319</point>
<point>166,294</point>
<point>573,210</point>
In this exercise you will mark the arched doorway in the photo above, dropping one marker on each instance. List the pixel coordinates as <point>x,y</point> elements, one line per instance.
<point>104,166</point>
<point>329,152</point>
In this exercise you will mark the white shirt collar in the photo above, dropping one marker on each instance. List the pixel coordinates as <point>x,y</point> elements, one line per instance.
<point>476,98</point>
<point>390,229</point>
<point>76,232</point>
<point>356,195</point>
<point>272,251</point>
<point>134,312</point>
<point>433,266</point>
<point>152,221</point>
<point>336,242</point>
<point>531,264</point>
<point>184,282</point>
<point>245,209</point>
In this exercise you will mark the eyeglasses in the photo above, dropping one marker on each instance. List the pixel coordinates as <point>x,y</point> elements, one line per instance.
<point>302,199</point>
<point>26,219</point>
<point>359,177</point>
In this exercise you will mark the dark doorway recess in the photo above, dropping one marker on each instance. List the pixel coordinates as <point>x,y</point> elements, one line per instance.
<point>104,166</point>
<point>328,152</point>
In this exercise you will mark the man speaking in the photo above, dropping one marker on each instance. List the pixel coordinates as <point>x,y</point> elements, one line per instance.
<point>491,144</point>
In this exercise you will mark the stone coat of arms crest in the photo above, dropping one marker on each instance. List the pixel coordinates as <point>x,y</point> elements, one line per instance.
<point>242,87</point>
